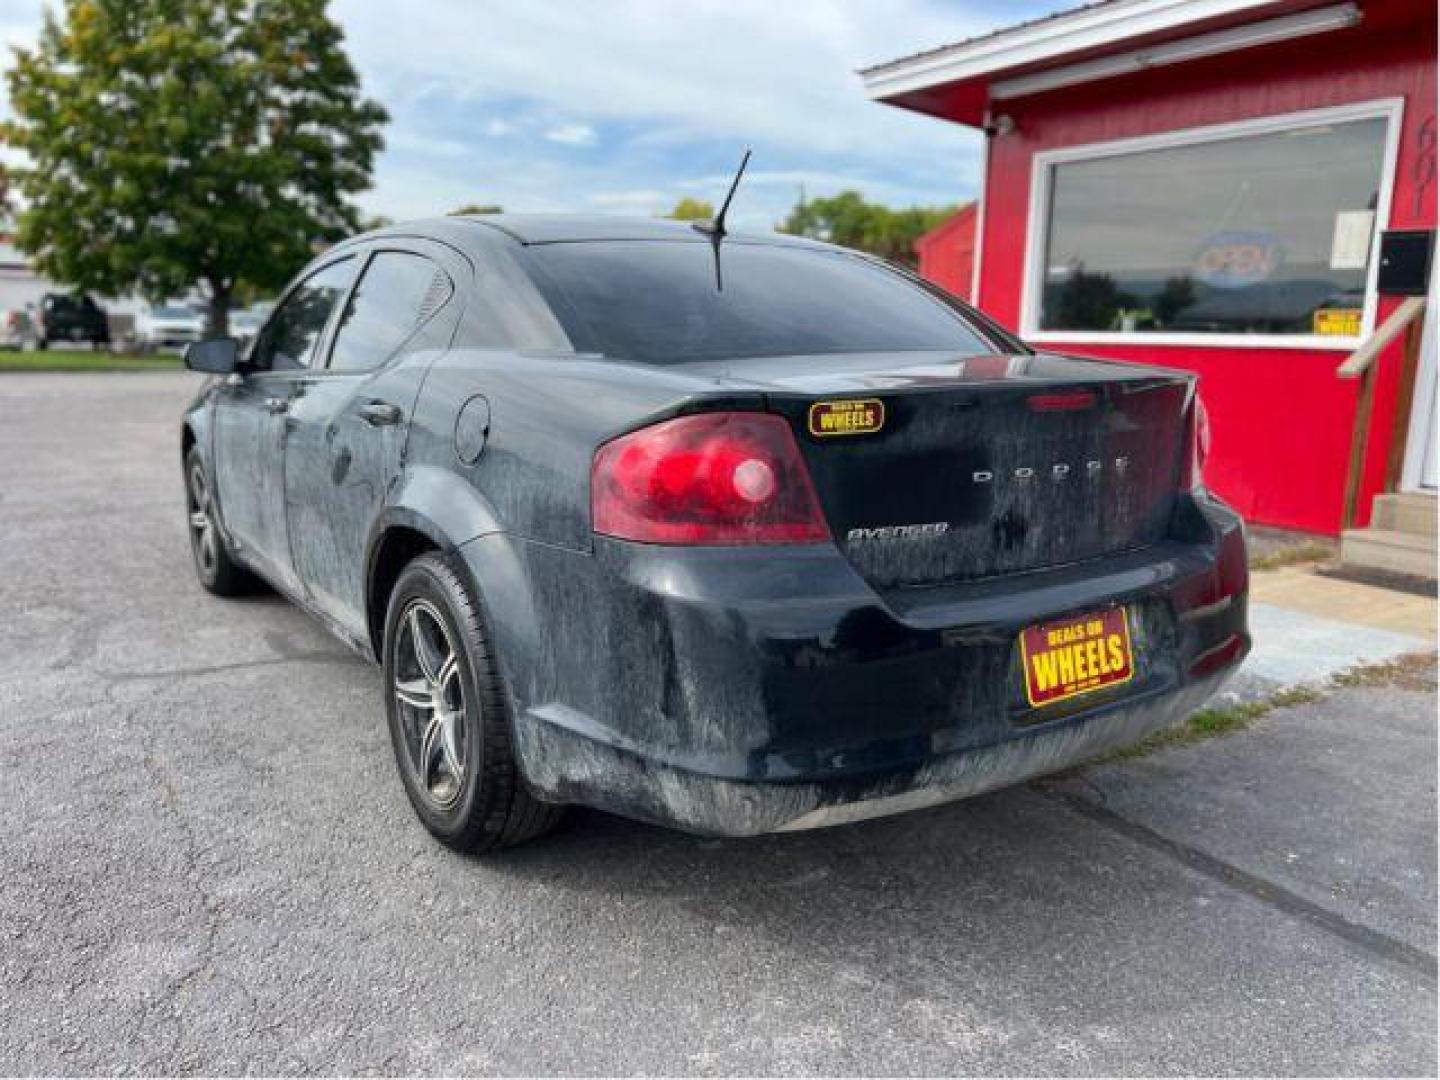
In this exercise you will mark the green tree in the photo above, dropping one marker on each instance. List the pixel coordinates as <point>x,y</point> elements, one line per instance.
<point>1177,295</point>
<point>850,220</point>
<point>476,208</point>
<point>689,209</point>
<point>176,142</point>
<point>1086,301</point>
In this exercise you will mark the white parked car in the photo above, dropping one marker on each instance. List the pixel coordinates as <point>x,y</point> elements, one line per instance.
<point>169,326</point>
<point>246,322</point>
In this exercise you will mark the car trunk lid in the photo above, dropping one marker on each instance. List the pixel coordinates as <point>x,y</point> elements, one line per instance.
<point>935,472</point>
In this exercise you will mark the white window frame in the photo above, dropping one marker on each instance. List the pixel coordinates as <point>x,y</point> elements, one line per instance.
<point>1390,110</point>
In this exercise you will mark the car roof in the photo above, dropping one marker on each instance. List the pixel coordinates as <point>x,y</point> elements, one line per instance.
<point>565,228</point>
<point>570,228</point>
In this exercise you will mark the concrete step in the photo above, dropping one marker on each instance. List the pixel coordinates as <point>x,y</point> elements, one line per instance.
<point>1390,550</point>
<point>1406,511</point>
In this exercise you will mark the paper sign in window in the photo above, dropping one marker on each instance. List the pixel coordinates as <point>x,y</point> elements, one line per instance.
<point>1350,248</point>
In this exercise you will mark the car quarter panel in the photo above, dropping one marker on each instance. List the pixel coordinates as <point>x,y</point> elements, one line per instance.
<point>544,416</point>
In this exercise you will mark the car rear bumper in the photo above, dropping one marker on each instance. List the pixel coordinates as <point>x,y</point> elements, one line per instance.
<point>742,691</point>
<point>569,765</point>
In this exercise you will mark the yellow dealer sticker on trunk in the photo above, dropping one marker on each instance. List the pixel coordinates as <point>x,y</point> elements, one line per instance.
<point>860,416</point>
<point>1337,322</point>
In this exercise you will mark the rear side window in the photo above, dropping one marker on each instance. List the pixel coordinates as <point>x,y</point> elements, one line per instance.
<point>397,293</point>
<point>659,302</point>
<point>291,337</point>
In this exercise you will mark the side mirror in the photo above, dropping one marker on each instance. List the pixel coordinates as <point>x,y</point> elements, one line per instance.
<point>218,356</point>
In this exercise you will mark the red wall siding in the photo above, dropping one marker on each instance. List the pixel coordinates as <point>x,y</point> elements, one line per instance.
<point>947,253</point>
<point>1282,420</point>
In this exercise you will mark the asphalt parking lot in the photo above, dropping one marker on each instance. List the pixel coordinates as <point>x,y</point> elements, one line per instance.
<point>207,863</point>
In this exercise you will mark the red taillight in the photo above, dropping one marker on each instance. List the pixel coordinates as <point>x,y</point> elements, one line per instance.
<point>711,478</point>
<point>1197,448</point>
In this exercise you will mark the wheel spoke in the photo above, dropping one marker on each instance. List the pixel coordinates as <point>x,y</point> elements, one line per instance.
<point>448,670</point>
<point>424,651</point>
<point>429,744</point>
<point>450,744</point>
<point>207,544</point>
<point>415,693</point>
<point>199,491</point>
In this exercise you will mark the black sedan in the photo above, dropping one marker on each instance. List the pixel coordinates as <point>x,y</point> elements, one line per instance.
<point>735,535</point>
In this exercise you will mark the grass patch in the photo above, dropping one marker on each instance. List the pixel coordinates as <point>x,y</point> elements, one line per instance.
<point>76,360</point>
<point>1218,720</point>
<point>1292,556</point>
<point>1414,671</point>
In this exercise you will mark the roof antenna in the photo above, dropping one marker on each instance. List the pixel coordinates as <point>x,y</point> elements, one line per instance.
<point>715,227</point>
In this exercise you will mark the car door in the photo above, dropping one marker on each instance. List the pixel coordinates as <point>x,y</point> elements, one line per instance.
<point>250,408</point>
<point>348,419</point>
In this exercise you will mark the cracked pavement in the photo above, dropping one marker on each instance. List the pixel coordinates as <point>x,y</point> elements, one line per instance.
<point>209,865</point>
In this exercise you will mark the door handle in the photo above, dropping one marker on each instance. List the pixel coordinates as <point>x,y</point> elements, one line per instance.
<point>380,414</point>
<point>277,404</point>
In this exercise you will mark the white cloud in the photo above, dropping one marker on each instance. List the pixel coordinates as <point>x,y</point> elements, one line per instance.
<point>489,102</point>
<point>672,86</point>
<point>741,69</point>
<point>573,135</point>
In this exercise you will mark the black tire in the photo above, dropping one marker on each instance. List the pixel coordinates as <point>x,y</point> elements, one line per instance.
<point>488,806</point>
<point>217,571</point>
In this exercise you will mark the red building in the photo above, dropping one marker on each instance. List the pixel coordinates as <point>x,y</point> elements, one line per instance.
<point>947,252</point>
<point>1205,184</point>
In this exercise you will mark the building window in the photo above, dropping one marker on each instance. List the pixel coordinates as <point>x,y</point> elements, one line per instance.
<point>1262,230</point>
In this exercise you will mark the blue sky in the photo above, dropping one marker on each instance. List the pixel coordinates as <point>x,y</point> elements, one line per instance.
<point>625,106</point>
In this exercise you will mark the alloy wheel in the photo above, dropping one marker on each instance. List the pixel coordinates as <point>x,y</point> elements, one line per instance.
<point>202,522</point>
<point>430,696</point>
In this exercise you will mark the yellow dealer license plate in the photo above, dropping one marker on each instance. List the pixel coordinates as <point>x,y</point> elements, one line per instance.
<point>1076,656</point>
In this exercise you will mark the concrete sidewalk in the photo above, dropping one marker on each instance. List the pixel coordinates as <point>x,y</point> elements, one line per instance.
<point>1308,628</point>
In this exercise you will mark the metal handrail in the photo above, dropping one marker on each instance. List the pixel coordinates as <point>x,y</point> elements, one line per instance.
<point>1360,360</point>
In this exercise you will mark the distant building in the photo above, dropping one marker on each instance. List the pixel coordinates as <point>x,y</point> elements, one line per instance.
<point>19,283</point>
<point>947,252</point>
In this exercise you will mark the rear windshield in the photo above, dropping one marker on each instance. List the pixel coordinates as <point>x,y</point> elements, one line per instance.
<point>658,302</point>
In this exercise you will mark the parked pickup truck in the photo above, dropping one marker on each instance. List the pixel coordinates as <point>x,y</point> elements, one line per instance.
<point>71,317</point>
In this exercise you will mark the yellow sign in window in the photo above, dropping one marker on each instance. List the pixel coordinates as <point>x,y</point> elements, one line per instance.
<point>1338,322</point>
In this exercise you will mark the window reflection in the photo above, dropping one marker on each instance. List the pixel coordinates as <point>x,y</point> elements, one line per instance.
<point>1258,234</point>
<point>293,333</point>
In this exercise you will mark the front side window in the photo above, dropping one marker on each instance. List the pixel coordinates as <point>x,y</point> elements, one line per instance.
<point>1251,234</point>
<point>291,337</point>
<point>397,293</point>
<point>661,302</point>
